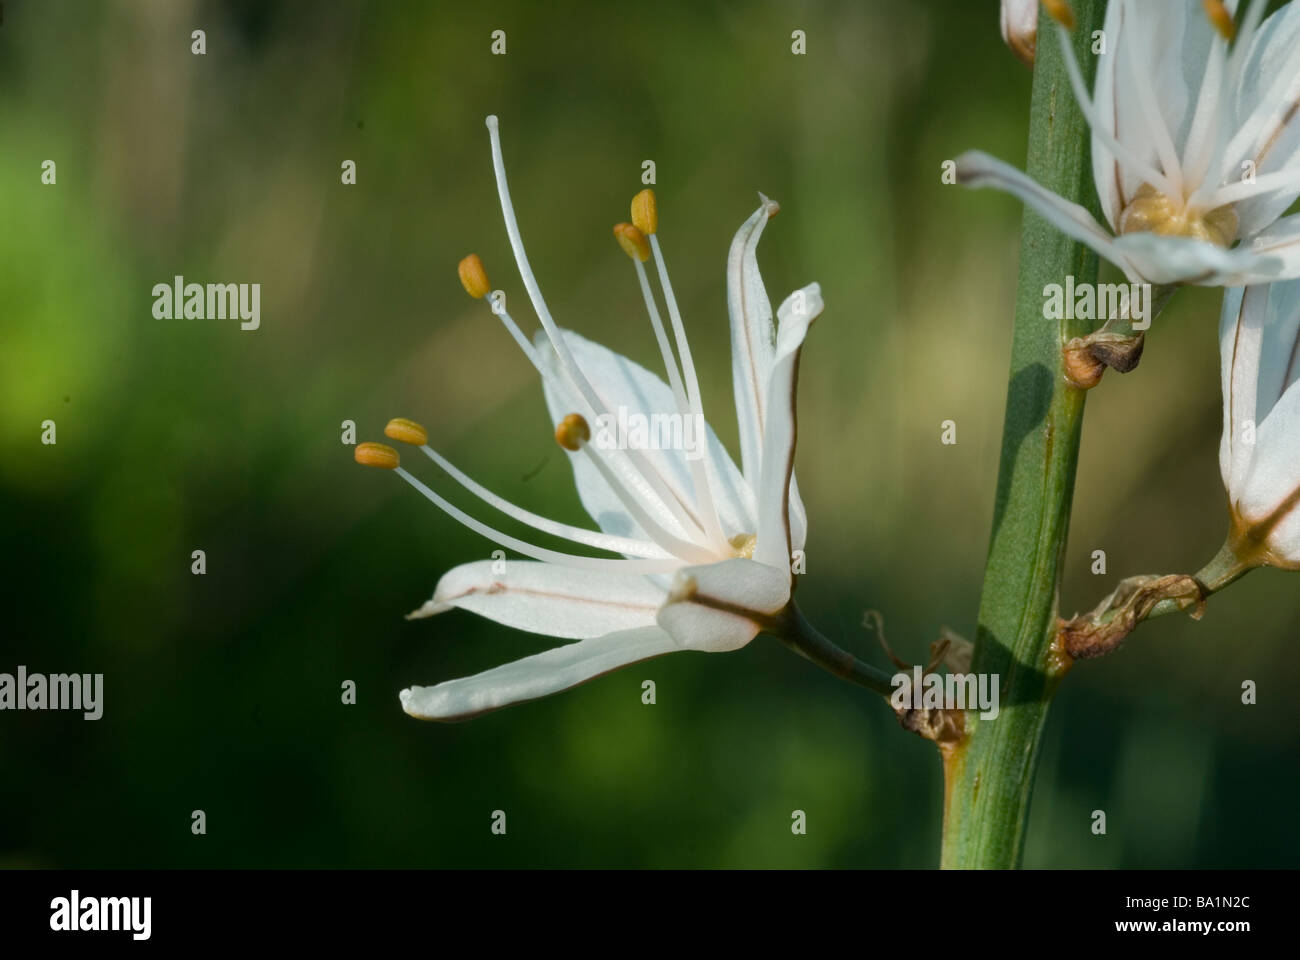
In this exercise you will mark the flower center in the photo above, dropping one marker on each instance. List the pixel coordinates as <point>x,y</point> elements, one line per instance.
<point>743,545</point>
<point>1154,212</point>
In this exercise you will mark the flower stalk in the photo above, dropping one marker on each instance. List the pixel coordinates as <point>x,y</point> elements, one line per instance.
<point>989,775</point>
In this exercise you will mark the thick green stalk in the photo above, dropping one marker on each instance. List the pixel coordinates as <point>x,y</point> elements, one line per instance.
<point>989,776</point>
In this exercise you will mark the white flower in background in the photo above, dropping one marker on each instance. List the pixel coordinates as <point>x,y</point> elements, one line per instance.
<point>705,547</point>
<point>1259,455</point>
<point>1195,144</point>
<point>1019,23</point>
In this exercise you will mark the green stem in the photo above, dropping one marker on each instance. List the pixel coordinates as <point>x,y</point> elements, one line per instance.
<point>793,629</point>
<point>988,777</point>
<point>1225,568</point>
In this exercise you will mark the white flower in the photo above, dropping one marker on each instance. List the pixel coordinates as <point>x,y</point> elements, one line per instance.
<point>1195,146</point>
<point>1259,455</point>
<point>706,547</point>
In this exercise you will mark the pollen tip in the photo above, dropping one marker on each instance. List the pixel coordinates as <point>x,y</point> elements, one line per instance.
<point>632,241</point>
<point>491,121</point>
<point>473,277</point>
<point>376,455</point>
<point>406,431</point>
<point>1220,18</point>
<point>645,212</point>
<point>572,432</point>
<point>1060,11</point>
<point>770,205</point>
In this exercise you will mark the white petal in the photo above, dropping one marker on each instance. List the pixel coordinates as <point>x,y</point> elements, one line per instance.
<point>722,606</point>
<point>1274,475</point>
<point>1280,243</point>
<point>753,337</point>
<point>1160,260</point>
<point>1240,339</point>
<point>547,599</point>
<point>1280,360</point>
<point>775,496</point>
<point>619,382</point>
<point>1112,189</point>
<point>1274,143</point>
<point>1258,334</point>
<point>1019,23</point>
<point>976,169</point>
<point>535,676</point>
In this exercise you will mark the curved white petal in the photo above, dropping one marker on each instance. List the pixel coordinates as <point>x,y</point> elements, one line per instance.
<point>1269,92</point>
<point>1259,330</point>
<point>753,336</point>
<point>776,494</point>
<point>1280,243</point>
<point>1240,340</point>
<point>1279,365</point>
<point>1112,188</point>
<point>976,169</point>
<point>1274,473</point>
<point>621,383</point>
<point>1160,260</point>
<point>1019,23</point>
<point>547,599</point>
<point>722,606</point>
<point>535,676</point>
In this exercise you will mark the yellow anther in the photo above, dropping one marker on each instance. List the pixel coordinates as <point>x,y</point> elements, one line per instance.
<point>1220,18</point>
<point>406,431</point>
<point>376,455</point>
<point>1150,211</point>
<point>572,432</point>
<point>1060,11</point>
<point>473,277</point>
<point>632,241</point>
<point>645,215</point>
<point>743,544</point>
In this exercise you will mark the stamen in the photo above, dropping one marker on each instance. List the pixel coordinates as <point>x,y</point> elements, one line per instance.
<point>638,240</point>
<point>1220,18</point>
<point>539,553</point>
<point>1152,212</point>
<point>573,434</point>
<point>743,545</point>
<point>1277,104</point>
<point>651,484</point>
<point>632,241</point>
<point>589,538</point>
<point>1155,121</point>
<point>473,277</point>
<point>699,473</point>
<point>645,212</point>
<point>1267,183</point>
<point>1226,157</point>
<point>406,431</point>
<point>1060,11</point>
<point>1201,137</point>
<point>376,455</point>
<point>1122,153</point>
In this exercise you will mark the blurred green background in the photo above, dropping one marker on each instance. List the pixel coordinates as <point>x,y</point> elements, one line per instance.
<point>223,690</point>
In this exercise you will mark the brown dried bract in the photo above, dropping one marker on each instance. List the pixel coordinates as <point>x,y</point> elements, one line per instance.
<point>1102,631</point>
